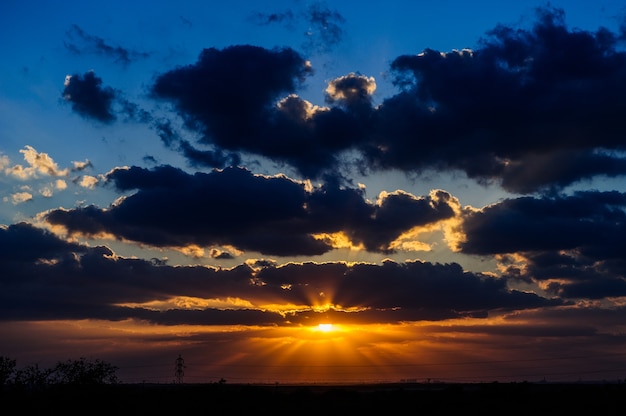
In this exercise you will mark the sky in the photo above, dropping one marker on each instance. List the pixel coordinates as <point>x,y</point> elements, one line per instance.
<point>312,192</point>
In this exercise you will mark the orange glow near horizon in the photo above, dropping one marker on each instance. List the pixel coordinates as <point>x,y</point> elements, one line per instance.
<point>324,352</point>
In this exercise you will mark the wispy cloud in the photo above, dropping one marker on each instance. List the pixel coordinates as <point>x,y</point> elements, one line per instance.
<point>80,42</point>
<point>322,27</point>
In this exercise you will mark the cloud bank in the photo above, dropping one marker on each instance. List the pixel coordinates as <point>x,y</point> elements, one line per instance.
<point>531,110</point>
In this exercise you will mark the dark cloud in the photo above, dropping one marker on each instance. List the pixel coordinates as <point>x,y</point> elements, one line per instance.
<point>590,288</point>
<point>81,42</point>
<point>575,243</point>
<point>558,223</point>
<point>167,133</point>
<point>133,112</point>
<point>530,109</point>
<point>195,157</point>
<point>414,287</point>
<point>271,215</point>
<point>208,158</point>
<point>576,274</point>
<point>555,170</point>
<point>230,96</point>
<point>67,281</point>
<point>89,98</point>
<point>24,242</point>
<point>352,92</point>
<point>228,91</point>
<point>236,98</point>
<point>92,100</point>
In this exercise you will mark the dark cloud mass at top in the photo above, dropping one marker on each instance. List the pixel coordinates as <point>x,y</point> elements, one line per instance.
<point>530,109</point>
<point>535,108</point>
<point>243,99</point>
<point>229,94</point>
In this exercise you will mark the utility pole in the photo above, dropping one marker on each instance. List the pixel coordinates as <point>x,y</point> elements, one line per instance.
<point>179,369</point>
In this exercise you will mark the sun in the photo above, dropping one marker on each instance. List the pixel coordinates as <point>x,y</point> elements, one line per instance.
<point>325,327</point>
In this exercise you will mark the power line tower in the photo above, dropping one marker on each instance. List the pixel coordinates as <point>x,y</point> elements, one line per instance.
<point>179,369</point>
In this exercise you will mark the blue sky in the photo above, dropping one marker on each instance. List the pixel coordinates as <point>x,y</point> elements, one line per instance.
<point>429,177</point>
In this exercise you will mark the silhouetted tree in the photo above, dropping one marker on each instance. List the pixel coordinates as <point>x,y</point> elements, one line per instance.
<point>32,377</point>
<point>7,370</point>
<point>70,372</point>
<point>84,372</point>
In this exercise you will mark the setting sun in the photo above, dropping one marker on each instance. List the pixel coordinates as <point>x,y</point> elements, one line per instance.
<point>325,327</point>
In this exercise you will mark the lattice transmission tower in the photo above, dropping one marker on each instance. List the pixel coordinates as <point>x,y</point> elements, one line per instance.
<point>179,369</point>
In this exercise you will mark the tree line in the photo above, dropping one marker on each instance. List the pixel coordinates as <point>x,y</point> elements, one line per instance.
<point>71,372</point>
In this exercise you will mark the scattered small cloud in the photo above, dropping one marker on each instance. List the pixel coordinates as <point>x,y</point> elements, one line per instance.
<point>80,166</point>
<point>20,197</point>
<point>286,18</point>
<point>88,97</point>
<point>39,163</point>
<point>60,184</point>
<point>88,181</point>
<point>46,192</point>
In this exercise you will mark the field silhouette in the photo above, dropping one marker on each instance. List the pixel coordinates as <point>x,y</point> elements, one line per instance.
<point>385,399</point>
<point>91,387</point>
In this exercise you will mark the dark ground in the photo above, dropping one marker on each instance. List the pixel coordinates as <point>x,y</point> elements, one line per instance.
<point>384,399</point>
